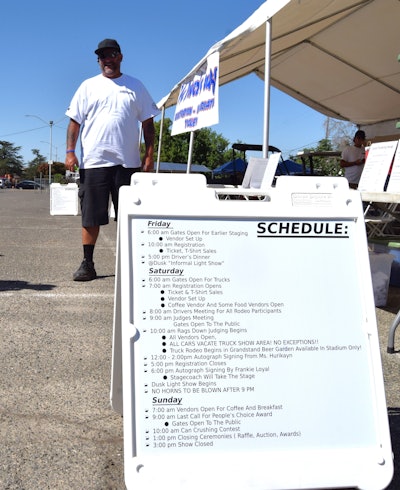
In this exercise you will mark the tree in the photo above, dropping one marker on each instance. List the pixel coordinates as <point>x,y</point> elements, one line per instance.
<point>209,147</point>
<point>58,172</point>
<point>32,169</point>
<point>340,133</point>
<point>324,165</point>
<point>173,148</point>
<point>57,169</point>
<point>10,160</point>
<point>43,169</point>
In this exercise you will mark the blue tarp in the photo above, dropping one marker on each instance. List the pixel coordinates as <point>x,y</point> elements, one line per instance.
<point>285,167</point>
<point>237,165</point>
<point>289,167</point>
<point>182,167</point>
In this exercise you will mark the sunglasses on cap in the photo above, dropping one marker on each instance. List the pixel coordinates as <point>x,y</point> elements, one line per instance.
<point>108,54</point>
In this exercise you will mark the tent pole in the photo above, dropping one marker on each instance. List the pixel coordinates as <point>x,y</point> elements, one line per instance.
<point>160,139</point>
<point>267,77</point>
<point>190,152</point>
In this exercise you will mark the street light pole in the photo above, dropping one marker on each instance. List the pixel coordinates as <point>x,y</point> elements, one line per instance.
<point>51,150</point>
<point>55,147</point>
<point>50,124</point>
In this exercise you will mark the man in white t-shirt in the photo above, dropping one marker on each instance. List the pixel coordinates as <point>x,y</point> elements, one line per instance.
<point>105,112</point>
<point>353,159</point>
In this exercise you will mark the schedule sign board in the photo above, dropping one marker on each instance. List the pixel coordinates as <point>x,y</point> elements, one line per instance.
<point>64,199</point>
<point>249,343</point>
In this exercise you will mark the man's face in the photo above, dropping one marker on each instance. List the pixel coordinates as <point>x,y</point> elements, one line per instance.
<point>110,62</point>
<point>358,141</point>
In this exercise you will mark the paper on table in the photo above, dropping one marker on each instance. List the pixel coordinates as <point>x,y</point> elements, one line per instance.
<point>377,166</point>
<point>261,171</point>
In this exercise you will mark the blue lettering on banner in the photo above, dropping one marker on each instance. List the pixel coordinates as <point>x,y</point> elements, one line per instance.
<point>206,105</point>
<point>191,123</point>
<point>193,88</point>
<point>183,113</point>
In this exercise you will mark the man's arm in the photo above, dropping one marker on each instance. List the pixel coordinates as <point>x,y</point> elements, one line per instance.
<point>71,160</point>
<point>345,164</point>
<point>148,134</point>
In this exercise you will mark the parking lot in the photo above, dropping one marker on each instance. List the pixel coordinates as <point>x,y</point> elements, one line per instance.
<point>57,428</point>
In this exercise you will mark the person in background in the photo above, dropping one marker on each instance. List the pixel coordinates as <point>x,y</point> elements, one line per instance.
<point>105,112</point>
<point>353,159</point>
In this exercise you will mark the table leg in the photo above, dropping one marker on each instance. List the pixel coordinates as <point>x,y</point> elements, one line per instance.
<point>395,324</point>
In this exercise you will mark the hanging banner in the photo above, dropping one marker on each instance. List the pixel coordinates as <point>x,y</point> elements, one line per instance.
<point>197,105</point>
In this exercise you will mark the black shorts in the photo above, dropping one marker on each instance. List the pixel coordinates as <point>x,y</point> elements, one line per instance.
<point>95,188</point>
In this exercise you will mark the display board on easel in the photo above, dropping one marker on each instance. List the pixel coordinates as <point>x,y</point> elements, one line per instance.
<point>377,166</point>
<point>394,180</point>
<point>64,199</point>
<point>245,349</point>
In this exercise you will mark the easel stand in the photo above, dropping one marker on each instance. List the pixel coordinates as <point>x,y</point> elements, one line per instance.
<point>245,349</point>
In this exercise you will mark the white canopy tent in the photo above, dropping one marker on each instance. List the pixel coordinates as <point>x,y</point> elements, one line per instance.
<point>338,57</point>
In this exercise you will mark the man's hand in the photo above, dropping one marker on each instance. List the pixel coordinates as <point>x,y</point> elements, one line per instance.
<point>71,162</point>
<point>148,164</point>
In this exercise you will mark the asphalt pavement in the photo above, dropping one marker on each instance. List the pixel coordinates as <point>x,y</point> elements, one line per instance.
<point>57,430</point>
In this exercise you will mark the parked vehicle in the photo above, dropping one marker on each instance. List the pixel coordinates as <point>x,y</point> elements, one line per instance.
<point>27,184</point>
<point>4,183</point>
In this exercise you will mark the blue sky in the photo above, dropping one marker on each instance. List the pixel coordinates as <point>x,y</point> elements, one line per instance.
<point>48,50</point>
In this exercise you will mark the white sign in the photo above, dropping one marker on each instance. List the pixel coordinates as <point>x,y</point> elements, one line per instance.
<point>377,165</point>
<point>260,172</point>
<point>197,105</point>
<point>64,199</point>
<point>250,351</point>
<point>394,180</point>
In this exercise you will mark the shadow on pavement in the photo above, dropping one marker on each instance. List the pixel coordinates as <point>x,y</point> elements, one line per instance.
<point>19,285</point>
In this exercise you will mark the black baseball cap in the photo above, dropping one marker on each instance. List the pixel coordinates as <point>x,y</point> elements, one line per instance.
<point>107,44</point>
